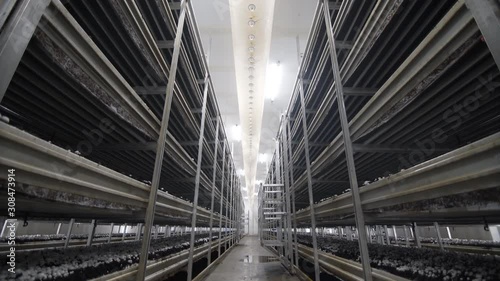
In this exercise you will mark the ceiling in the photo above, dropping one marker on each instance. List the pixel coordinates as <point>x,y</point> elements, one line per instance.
<point>292,19</point>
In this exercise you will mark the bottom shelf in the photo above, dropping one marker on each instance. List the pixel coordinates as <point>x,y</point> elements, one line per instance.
<point>116,261</point>
<point>340,257</point>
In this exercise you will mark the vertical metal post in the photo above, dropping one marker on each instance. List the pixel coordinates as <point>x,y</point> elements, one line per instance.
<point>440,241</point>
<point>156,232</point>
<point>124,232</point>
<point>214,176</point>
<point>231,211</point>
<point>139,232</point>
<point>377,236</point>
<point>221,195</point>
<point>110,232</point>
<point>407,240</point>
<point>368,234</point>
<point>309,181</point>
<point>395,235</point>
<point>58,228</point>
<point>237,215</point>
<point>93,226</point>
<point>387,235</point>
<point>486,13</point>
<point>382,240</point>
<point>197,179</point>
<point>288,189</point>
<point>292,189</point>
<point>160,146</point>
<point>16,35</point>
<point>68,233</point>
<point>417,238</point>
<point>277,166</point>
<point>230,183</point>
<point>358,211</point>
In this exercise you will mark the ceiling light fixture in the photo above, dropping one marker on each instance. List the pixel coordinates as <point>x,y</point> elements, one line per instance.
<point>236,133</point>
<point>252,7</point>
<point>273,80</point>
<point>251,59</point>
<point>251,49</point>
<point>262,158</point>
<point>251,37</point>
<point>251,23</point>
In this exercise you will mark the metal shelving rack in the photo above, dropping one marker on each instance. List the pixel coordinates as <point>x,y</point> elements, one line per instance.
<point>110,103</point>
<point>376,91</point>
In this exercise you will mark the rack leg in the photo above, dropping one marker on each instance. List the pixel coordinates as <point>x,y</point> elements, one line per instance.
<point>68,233</point>
<point>93,226</point>
<point>111,232</point>
<point>440,241</point>
<point>417,238</point>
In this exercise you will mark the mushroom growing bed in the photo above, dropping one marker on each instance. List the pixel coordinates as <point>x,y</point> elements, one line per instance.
<point>83,263</point>
<point>414,263</point>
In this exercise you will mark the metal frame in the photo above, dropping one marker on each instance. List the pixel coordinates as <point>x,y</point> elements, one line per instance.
<point>68,233</point>
<point>197,180</point>
<point>160,149</point>
<point>288,188</point>
<point>358,210</point>
<point>292,190</point>
<point>214,176</point>
<point>309,182</point>
<point>221,197</point>
<point>487,16</point>
<point>16,35</point>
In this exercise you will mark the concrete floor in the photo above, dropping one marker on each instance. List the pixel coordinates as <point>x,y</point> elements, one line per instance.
<point>249,261</point>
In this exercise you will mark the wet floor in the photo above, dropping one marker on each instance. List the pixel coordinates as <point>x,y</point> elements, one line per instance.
<point>259,259</point>
<point>250,261</point>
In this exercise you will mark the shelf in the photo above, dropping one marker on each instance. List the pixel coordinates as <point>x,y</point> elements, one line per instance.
<point>470,168</point>
<point>52,173</point>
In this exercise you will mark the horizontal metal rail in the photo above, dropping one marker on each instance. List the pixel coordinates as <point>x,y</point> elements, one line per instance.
<point>473,167</point>
<point>42,164</point>
<point>159,270</point>
<point>343,268</point>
